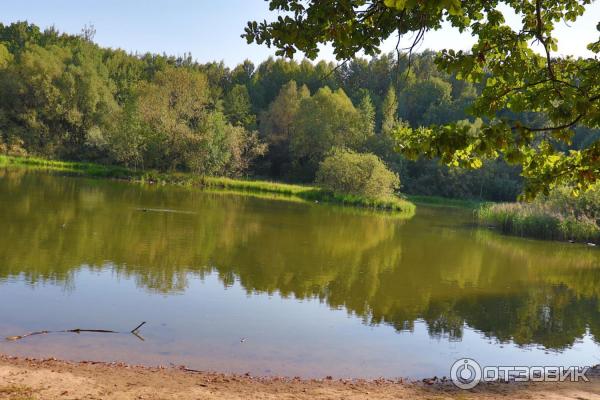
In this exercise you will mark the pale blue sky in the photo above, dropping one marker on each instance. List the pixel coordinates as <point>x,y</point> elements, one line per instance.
<point>210,29</point>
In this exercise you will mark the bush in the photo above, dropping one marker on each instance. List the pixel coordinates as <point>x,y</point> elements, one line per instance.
<point>347,172</point>
<point>12,147</point>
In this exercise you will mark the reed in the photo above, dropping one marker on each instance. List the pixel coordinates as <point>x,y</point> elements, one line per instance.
<point>559,216</point>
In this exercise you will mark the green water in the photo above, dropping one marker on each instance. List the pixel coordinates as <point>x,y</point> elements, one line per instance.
<point>241,284</point>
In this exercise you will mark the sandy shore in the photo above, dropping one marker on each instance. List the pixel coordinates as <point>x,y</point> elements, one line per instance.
<point>26,379</point>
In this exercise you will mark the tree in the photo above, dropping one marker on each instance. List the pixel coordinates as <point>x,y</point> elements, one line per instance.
<point>127,142</point>
<point>5,56</point>
<point>172,109</point>
<point>242,74</point>
<point>344,171</point>
<point>237,107</point>
<point>514,77</point>
<point>327,119</point>
<point>18,35</point>
<point>367,113</point>
<point>278,126</point>
<point>244,148</point>
<point>423,98</point>
<point>125,71</point>
<point>389,111</point>
<point>183,133</point>
<point>57,100</point>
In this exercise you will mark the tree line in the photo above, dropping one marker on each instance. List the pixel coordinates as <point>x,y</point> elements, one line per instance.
<point>65,97</point>
<point>516,82</point>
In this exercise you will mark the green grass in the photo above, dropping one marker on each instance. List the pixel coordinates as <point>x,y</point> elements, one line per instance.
<point>445,202</point>
<point>89,169</point>
<point>310,193</point>
<point>538,220</point>
<point>257,186</point>
<point>313,194</point>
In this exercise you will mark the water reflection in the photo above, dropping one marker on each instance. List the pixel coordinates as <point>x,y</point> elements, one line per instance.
<point>433,268</point>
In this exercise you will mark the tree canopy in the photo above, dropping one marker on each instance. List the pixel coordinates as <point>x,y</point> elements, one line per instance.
<point>515,79</point>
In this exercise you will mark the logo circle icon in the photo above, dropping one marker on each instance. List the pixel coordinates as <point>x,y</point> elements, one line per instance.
<point>466,373</point>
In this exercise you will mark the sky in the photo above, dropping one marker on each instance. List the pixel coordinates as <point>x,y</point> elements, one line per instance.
<point>210,29</point>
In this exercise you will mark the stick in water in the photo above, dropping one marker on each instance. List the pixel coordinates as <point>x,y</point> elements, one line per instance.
<point>137,328</point>
<point>135,332</point>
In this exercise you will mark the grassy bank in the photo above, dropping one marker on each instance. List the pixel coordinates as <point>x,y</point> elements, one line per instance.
<point>305,193</point>
<point>558,216</point>
<point>445,202</point>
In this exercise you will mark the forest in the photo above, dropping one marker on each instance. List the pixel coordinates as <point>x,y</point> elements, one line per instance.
<point>64,97</point>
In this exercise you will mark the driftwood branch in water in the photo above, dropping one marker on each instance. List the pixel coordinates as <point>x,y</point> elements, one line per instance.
<point>134,332</point>
<point>87,330</point>
<point>137,328</point>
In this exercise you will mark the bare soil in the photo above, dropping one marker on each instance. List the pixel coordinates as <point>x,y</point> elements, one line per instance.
<point>27,379</point>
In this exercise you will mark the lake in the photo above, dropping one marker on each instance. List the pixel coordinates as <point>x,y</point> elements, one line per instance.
<point>240,284</point>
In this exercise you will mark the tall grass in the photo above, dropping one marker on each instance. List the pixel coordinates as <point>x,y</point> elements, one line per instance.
<point>445,201</point>
<point>394,204</point>
<point>256,186</point>
<point>559,216</point>
<point>311,193</point>
<point>89,169</point>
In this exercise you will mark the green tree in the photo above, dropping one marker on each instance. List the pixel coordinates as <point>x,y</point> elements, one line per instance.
<point>389,111</point>
<point>125,71</point>
<point>347,172</point>
<point>18,35</point>
<point>127,142</point>
<point>327,119</point>
<point>242,74</point>
<point>278,126</point>
<point>367,112</point>
<point>57,100</point>
<point>5,56</point>
<point>183,133</point>
<point>173,109</point>
<point>244,147</point>
<point>237,107</point>
<point>422,98</point>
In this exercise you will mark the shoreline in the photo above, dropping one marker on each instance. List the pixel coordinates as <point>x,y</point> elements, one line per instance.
<point>49,379</point>
<point>396,206</point>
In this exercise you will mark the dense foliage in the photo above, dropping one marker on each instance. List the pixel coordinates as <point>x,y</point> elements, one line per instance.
<point>344,171</point>
<point>64,97</point>
<point>563,91</point>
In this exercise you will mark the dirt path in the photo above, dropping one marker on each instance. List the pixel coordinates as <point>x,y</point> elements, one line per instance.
<point>23,379</point>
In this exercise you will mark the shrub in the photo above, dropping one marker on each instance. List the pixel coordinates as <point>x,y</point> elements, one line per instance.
<point>347,172</point>
<point>13,147</point>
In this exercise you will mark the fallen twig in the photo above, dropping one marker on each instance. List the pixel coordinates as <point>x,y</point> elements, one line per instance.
<point>134,332</point>
<point>87,330</point>
<point>137,328</point>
